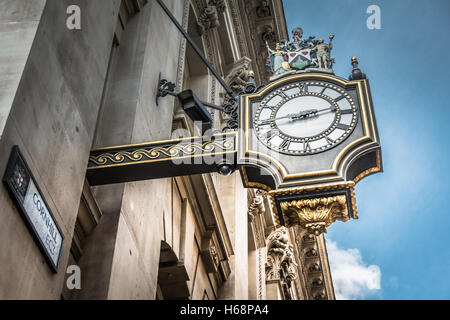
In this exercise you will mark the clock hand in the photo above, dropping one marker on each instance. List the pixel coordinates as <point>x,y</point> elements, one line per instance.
<point>307,113</point>
<point>304,114</point>
<point>296,116</point>
<point>268,121</point>
<point>312,113</point>
<point>292,117</point>
<point>331,109</point>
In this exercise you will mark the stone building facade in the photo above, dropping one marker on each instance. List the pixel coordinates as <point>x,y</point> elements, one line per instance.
<point>64,92</point>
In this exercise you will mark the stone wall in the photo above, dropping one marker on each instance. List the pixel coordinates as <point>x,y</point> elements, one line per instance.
<point>19,22</point>
<point>56,107</point>
<point>52,119</point>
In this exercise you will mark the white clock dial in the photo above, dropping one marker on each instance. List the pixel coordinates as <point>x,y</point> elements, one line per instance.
<point>305,118</point>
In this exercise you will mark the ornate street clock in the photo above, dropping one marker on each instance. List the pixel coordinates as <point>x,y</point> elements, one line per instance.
<point>306,138</point>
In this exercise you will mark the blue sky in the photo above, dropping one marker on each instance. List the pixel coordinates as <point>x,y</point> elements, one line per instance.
<point>404,212</point>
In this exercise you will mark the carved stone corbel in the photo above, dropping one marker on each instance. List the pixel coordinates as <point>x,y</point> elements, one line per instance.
<point>209,18</point>
<point>320,295</point>
<point>209,253</point>
<point>263,10</point>
<point>257,206</point>
<point>238,78</point>
<point>280,263</point>
<point>268,35</point>
<point>219,4</point>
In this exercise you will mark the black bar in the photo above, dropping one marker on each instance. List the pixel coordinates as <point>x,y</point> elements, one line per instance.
<point>213,106</point>
<point>210,105</point>
<point>196,49</point>
<point>161,159</point>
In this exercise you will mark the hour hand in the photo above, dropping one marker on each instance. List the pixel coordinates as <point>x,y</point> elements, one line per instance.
<point>269,121</point>
<point>304,114</point>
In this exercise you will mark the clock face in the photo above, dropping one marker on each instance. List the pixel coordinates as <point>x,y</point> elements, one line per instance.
<point>305,118</point>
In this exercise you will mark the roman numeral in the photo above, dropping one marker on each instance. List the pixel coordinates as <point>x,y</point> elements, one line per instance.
<point>269,134</point>
<point>285,144</point>
<point>283,95</point>
<point>306,146</point>
<point>342,126</point>
<point>329,140</point>
<point>346,111</point>
<point>265,122</point>
<point>339,98</point>
<point>303,87</point>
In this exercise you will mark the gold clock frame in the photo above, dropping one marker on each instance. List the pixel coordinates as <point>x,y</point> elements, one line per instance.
<point>337,173</point>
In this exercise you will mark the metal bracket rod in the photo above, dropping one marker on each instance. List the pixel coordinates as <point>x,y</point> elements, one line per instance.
<point>196,49</point>
<point>164,88</point>
<point>168,88</point>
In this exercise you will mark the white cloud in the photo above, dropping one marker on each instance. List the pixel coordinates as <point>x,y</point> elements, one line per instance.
<point>352,278</point>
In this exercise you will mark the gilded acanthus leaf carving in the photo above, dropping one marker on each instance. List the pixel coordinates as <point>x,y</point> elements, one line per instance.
<point>315,214</point>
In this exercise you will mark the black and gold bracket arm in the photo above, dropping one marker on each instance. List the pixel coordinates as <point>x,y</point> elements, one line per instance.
<point>163,159</point>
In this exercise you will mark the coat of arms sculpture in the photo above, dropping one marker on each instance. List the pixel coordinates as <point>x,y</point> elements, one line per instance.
<point>300,56</point>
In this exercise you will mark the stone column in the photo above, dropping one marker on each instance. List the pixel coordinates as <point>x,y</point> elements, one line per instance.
<point>233,200</point>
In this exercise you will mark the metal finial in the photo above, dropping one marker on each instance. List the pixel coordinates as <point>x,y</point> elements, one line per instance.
<point>251,76</point>
<point>356,72</point>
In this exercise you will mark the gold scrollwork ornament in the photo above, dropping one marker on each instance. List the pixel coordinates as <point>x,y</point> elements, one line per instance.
<point>157,152</point>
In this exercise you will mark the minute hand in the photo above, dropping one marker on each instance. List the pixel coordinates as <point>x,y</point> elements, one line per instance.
<point>267,121</point>
<point>294,116</point>
<point>331,109</point>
